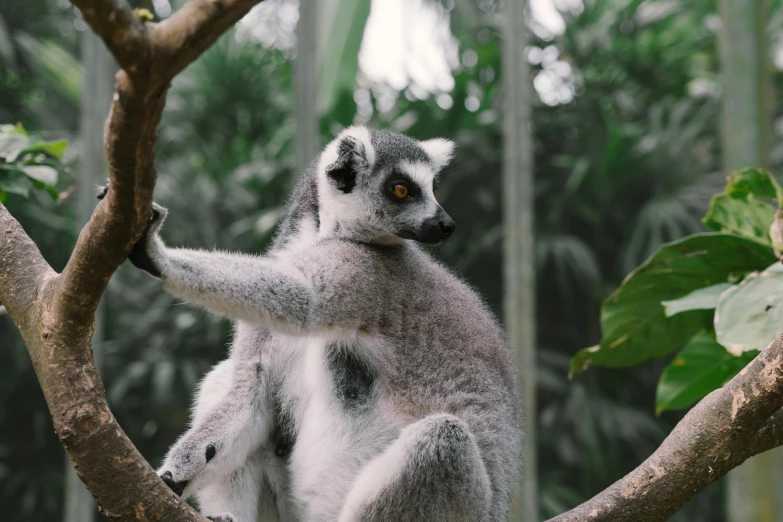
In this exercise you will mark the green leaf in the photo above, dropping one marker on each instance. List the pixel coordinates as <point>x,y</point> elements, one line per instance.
<point>702,366</point>
<point>757,182</point>
<point>7,128</point>
<point>750,315</point>
<point>42,173</point>
<point>11,144</point>
<point>634,325</point>
<point>745,217</point>
<point>701,299</point>
<point>55,149</point>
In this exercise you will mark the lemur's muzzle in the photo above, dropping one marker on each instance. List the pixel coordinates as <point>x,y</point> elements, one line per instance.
<point>436,228</point>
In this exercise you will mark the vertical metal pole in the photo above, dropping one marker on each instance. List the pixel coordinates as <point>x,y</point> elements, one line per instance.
<point>752,489</point>
<point>519,238</point>
<point>306,142</point>
<point>97,88</point>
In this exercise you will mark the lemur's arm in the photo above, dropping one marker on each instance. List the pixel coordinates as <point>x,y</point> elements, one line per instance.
<point>321,288</point>
<point>250,288</point>
<point>253,289</point>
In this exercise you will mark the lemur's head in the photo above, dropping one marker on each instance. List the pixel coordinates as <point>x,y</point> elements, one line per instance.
<point>379,186</point>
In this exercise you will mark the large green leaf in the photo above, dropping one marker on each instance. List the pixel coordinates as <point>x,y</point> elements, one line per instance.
<point>702,366</point>
<point>634,325</point>
<point>750,315</point>
<point>701,299</point>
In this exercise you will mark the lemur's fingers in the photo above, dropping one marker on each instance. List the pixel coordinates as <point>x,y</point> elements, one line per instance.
<point>158,213</point>
<point>139,256</point>
<point>176,487</point>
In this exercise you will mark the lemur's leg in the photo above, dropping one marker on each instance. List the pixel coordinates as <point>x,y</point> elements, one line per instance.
<point>432,472</point>
<point>231,420</point>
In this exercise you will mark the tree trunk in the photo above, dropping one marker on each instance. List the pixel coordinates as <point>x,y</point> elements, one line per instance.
<point>519,238</point>
<point>747,105</point>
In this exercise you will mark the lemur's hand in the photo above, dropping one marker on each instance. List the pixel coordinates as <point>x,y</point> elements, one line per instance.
<point>140,254</point>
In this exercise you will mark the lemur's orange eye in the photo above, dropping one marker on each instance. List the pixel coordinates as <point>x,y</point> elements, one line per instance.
<point>435,192</point>
<point>400,191</point>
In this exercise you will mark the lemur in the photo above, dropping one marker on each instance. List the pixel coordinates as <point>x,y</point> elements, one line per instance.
<point>365,381</point>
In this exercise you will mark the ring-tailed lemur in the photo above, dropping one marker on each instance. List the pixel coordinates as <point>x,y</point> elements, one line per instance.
<point>365,381</point>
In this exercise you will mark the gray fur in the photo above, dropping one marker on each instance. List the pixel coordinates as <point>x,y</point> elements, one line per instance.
<point>365,381</point>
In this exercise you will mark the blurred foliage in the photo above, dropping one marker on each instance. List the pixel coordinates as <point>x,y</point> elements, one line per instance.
<point>27,162</point>
<point>626,154</point>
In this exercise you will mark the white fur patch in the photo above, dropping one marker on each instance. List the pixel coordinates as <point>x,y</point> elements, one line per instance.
<point>329,156</point>
<point>334,207</point>
<point>440,151</point>
<point>421,173</point>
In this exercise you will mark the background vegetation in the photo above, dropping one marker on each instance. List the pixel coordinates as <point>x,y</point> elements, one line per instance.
<point>627,157</point>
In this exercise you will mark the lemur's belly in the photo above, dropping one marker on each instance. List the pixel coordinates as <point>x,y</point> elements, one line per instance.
<point>341,419</point>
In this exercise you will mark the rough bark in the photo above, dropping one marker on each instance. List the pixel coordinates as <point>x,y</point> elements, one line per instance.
<point>55,312</point>
<point>736,422</point>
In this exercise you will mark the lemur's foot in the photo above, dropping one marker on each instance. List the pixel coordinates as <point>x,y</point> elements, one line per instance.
<point>185,461</point>
<point>225,517</point>
<point>176,486</point>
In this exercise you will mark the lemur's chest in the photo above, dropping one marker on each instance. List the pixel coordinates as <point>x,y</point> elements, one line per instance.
<point>329,395</point>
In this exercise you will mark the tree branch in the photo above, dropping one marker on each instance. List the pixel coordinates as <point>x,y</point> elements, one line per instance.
<point>727,427</point>
<point>23,271</point>
<point>124,33</point>
<point>182,37</point>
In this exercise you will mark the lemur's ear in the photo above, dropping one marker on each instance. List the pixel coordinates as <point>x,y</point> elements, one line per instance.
<point>353,158</point>
<point>440,151</point>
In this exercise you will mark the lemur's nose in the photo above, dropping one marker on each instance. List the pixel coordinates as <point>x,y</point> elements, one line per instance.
<point>436,228</point>
<point>447,226</point>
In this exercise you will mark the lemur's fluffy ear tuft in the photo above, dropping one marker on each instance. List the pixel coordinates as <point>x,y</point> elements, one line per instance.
<point>440,151</point>
<point>355,155</point>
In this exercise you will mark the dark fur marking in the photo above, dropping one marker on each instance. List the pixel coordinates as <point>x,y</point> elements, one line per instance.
<point>352,376</point>
<point>284,435</point>
<point>342,172</point>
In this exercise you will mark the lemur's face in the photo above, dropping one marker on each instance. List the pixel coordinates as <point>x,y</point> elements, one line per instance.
<point>381,186</point>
